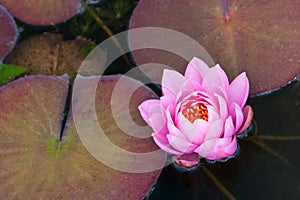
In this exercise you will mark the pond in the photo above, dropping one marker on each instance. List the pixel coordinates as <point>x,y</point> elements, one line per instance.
<point>42,115</point>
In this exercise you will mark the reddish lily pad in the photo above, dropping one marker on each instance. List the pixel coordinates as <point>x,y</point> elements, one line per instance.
<point>122,185</point>
<point>43,12</point>
<point>8,32</point>
<point>36,164</point>
<point>49,54</point>
<point>259,37</point>
<point>30,118</point>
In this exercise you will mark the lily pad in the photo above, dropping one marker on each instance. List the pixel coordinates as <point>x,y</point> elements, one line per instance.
<point>49,54</point>
<point>259,37</point>
<point>8,32</point>
<point>122,176</point>
<point>31,115</point>
<point>44,12</point>
<point>37,163</point>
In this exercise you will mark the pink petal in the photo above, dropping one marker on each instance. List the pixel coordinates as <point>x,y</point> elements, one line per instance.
<point>223,107</point>
<point>196,70</point>
<point>170,120</point>
<point>223,77</point>
<point>239,90</point>
<point>195,85</point>
<point>145,108</point>
<point>217,148</point>
<point>173,82</point>
<point>183,94</point>
<point>187,160</point>
<point>176,138</point>
<point>215,130</point>
<point>168,100</point>
<point>229,149</point>
<point>181,144</point>
<point>229,129</point>
<point>204,149</point>
<point>194,132</point>
<point>248,116</point>
<point>213,114</point>
<point>162,142</point>
<point>216,81</point>
<point>237,115</point>
<point>158,122</point>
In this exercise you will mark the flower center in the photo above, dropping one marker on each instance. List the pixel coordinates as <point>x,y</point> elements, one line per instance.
<point>194,112</point>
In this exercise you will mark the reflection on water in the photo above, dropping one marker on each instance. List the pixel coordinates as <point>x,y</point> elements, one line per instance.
<point>266,168</point>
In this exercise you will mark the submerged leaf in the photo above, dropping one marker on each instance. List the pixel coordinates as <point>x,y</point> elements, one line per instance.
<point>49,54</point>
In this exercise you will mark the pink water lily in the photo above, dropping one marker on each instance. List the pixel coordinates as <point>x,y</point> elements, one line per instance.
<point>199,113</point>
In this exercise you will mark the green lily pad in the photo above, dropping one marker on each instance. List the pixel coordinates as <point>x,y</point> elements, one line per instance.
<point>42,12</point>
<point>259,37</point>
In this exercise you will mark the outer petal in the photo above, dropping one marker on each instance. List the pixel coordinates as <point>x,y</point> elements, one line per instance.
<point>229,129</point>
<point>196,70</point>
<point>223,78</point>
<point>170,122</point>
<point>181,144</point>
<point>173,82</point>
<point>216,81</point>
<point>239,90</point>
<point>237,115</point>
<point>230,149</point>
<point>158,123</point>
<point>248,116</point>
<point>145,108</point>
<point>169,102</point>
<point>187,160</point>
<point>217,148</point>
<point>163,143</point>
<point>223,107</point>
<point>204,149</point>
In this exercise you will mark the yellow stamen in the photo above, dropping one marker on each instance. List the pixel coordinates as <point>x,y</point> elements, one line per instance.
<point>198,111</point>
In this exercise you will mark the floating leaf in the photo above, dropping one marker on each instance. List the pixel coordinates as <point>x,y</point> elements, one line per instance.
<point>8,72</point>
<point>49,54</point>
<point>259,37</point>
<point>8,32</point>
<point>120,127</point>
<point>31,111</point>
<point>43,12</point>
<point>36,164</point>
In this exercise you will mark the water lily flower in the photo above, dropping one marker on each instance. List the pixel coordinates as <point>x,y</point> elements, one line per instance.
<point>199,113</point>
